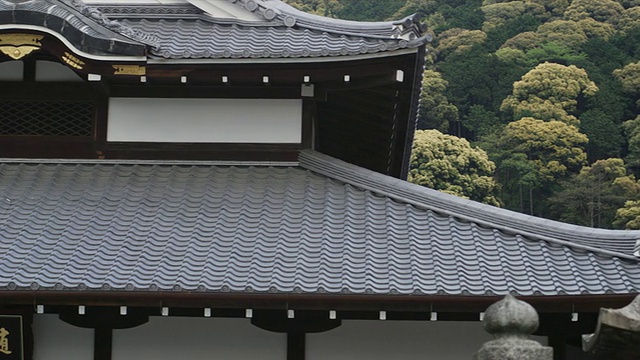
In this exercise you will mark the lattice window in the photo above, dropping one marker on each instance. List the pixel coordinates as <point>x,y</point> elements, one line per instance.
<point>46,118</point>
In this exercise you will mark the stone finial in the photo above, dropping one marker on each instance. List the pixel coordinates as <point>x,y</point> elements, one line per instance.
<point>617,334</point>
<point>511,321</point>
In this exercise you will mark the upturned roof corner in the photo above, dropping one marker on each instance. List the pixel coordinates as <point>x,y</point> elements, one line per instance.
<point>81,27</point>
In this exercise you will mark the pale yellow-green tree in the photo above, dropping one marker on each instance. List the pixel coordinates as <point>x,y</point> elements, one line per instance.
<point>436,112</point>
<point>512,56</point>
<point>499,13</point>
<point>524,41</point>
<point>531,156</point>
<point>554,7</point>
<point>550,92</point>
<point>450,164</point>
<point>629,76</point>
<point>596,29</point>
<point>563,32</point>
<point>457,40</point>
<point>600,10</point>
<point>628,216</point>
<point>553,147</point>
<point>630,18</point>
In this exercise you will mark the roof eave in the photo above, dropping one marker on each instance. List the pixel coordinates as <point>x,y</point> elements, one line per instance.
<point>314,301</point>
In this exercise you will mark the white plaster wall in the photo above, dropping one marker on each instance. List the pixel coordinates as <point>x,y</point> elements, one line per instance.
<point>174,338</point>
<point>56,340</point>
<point>11,70</point>
<point>398,340</point>
<point>53,71</point>
<point>171,338</point>
<point>205,120</point>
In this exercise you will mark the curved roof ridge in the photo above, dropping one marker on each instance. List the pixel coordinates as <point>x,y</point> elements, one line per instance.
<point>408,28</point>
<point>93,14</point>
<point>619,243</point>
<point>77,20</point>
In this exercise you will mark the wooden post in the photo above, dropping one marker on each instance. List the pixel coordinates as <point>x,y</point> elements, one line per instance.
<point>296,346</point>
<point>102,343</point>
<point>559,345</point>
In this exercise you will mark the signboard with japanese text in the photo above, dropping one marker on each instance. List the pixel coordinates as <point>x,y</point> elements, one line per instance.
<point>11,341</point>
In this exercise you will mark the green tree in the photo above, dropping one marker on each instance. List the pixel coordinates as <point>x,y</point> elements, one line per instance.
<point>591,197</point>
<point>632,131</point>
<point>605,136</point>
<point>450,164</point>
<point>481,121</point>
<point>328,8</point>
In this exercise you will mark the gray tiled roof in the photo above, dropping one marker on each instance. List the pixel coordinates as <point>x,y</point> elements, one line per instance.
<point>204,39</point>
<point>322,226</point>
<point>284,32</point>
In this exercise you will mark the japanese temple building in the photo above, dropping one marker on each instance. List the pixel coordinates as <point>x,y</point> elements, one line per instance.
<point>226,179</point>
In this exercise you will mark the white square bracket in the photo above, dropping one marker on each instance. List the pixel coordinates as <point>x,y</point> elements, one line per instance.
<point>307,90</point>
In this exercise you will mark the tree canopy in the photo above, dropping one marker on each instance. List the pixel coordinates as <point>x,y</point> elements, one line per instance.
<point>450,164</point>
<point>549,89</point>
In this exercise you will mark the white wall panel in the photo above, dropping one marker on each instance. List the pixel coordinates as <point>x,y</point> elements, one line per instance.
<point>11,70</point>
<point>53,339</point>
<point>174,338</point>
<point>170,338</point>
<point>205,120</point>
<point>53,71</point>
<point>398,340</point>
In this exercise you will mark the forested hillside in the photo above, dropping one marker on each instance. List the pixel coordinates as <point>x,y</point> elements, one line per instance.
<point>546,94</point>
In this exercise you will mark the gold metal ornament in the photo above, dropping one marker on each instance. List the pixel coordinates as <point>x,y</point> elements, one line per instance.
<point>17,46</point>
<point>129,70</point>
<point>72,61</point>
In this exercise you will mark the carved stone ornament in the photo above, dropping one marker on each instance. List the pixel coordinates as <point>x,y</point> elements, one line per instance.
<point>511,321</point>
<point>617,335</point>
<point>18,46</point>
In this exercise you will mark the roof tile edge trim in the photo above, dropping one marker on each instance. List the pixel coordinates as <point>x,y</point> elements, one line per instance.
<point>487,215</point>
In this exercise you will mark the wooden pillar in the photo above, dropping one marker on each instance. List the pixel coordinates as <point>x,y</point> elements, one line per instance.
<point>296,345</point>
<point>559,344</point>
<point>102,343</point>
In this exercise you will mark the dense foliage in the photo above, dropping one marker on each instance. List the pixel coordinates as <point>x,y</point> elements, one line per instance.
<point>549,89</point>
